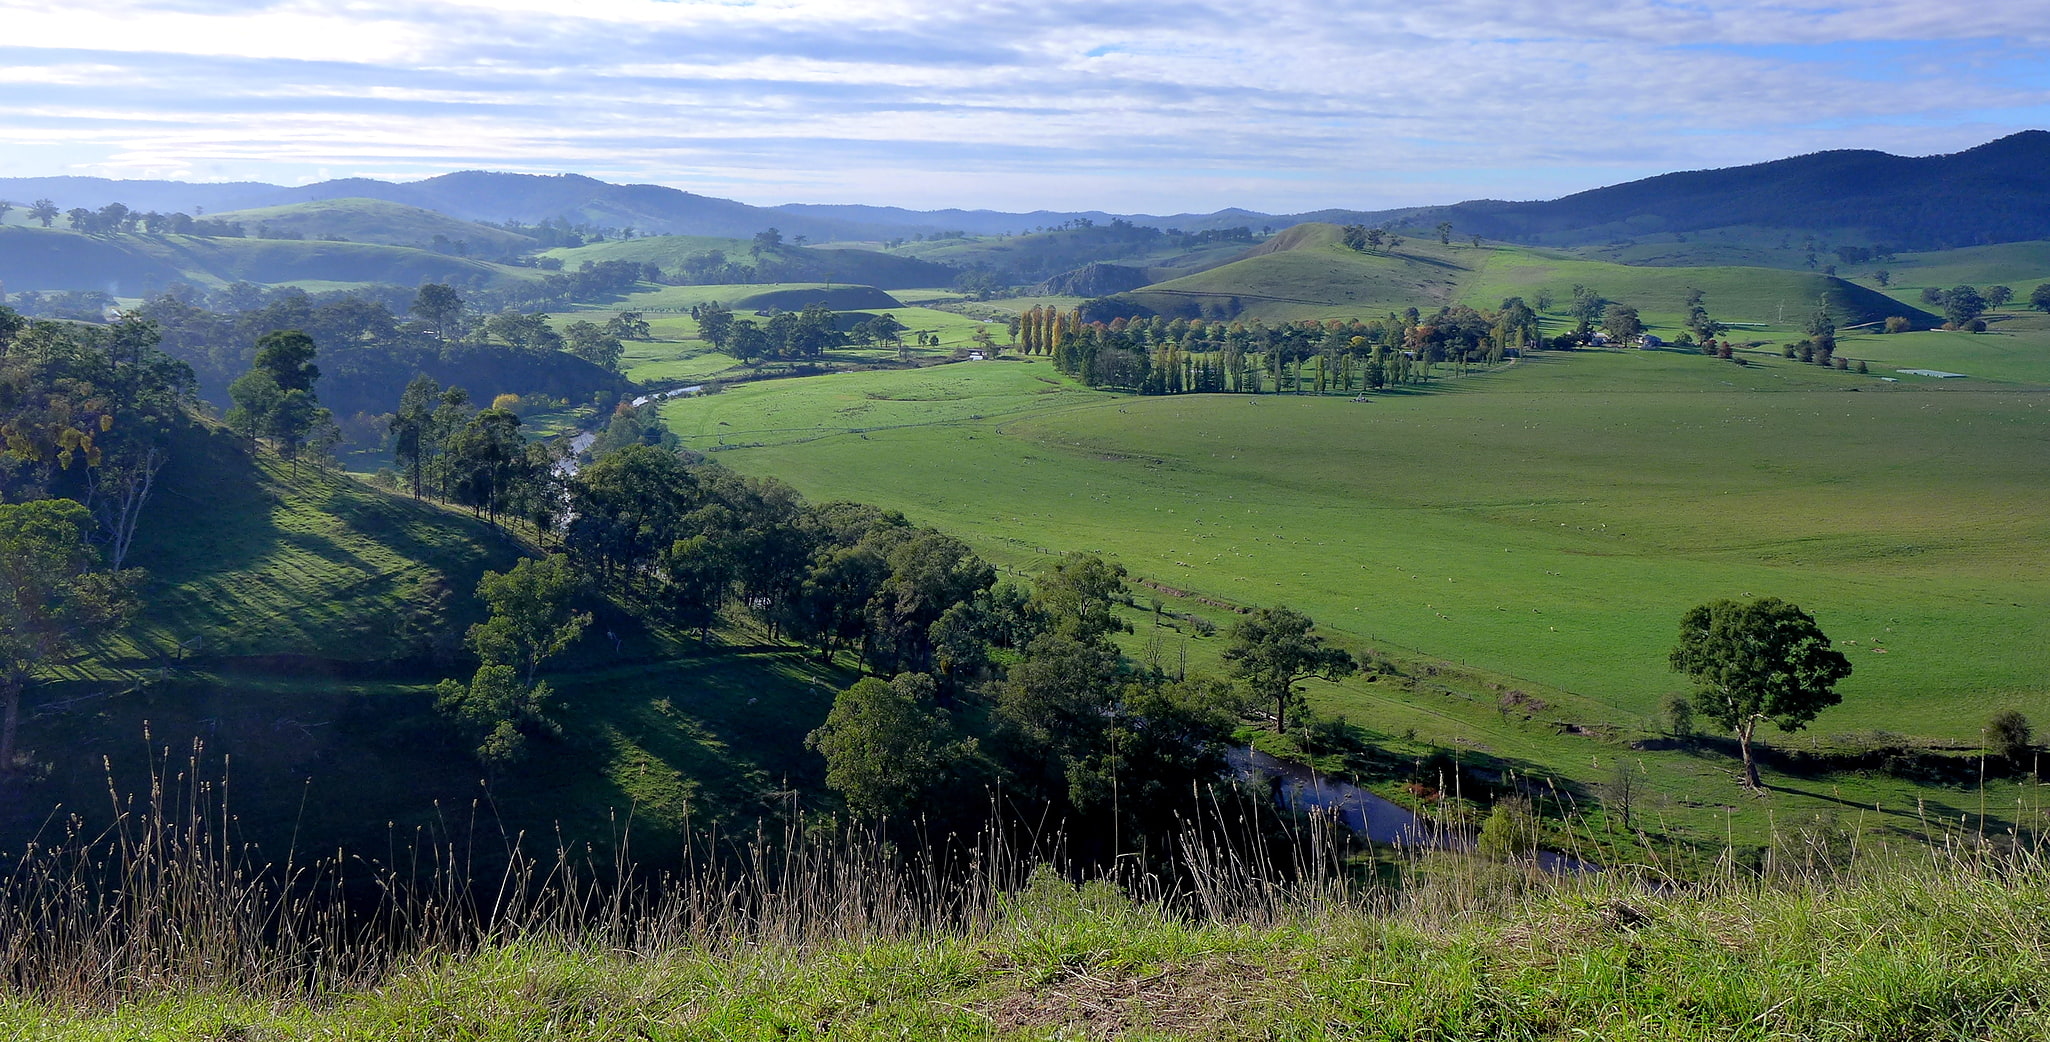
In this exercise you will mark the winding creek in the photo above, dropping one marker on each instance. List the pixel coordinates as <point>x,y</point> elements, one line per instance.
<point>1380,820</point>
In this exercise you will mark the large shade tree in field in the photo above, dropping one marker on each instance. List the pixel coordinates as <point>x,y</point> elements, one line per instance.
<point>1274,649</point>
<point>1756,661</point>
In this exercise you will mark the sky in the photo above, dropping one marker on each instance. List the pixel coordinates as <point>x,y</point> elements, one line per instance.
<point>1174,106</point>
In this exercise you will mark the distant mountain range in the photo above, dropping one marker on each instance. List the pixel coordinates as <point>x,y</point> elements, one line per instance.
<point>1997,192</point>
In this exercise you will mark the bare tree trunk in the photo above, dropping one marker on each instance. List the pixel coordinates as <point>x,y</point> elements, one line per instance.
<point>118,499</point>
<point>1744,746</point>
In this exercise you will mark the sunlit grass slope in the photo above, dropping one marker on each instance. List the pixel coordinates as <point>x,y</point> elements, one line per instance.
<point>294,624</point>
<point>1549,522</point>
<point>1307,271</point>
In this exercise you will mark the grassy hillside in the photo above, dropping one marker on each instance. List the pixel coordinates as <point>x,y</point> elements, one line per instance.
<point>1035,256</point>
<point>675,356</point>
<point>133,265</point>
<point>294,626</point>
<point>247,559</point>
<point>1538,529</point>
<point>375,220</point>
<point>786,263</point>
<point>1307,271</point>
<point>2021,265</point>
<point>757,296</point>
<point>1835,940</point>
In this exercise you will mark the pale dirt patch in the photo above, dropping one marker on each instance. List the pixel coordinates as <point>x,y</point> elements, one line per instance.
<point>1207,1000</point>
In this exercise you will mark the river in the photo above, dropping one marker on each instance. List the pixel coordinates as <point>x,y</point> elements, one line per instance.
<point>1378,819</point>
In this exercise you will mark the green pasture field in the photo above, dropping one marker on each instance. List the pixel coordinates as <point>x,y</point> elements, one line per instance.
<point>675,355</point>
<point>739,297</point>
<point>1020,305</point>
<point>933,295</point>
<point>2020,265</point>
<point>1068,249</point>
<point>1540,528</point>
<point>2015,349</point>
<point>1742,245</point>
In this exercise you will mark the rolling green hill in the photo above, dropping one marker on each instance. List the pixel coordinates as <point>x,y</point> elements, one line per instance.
<point>134,265</point>
<point>785,263</point>
<point>1307,271</point>
<point>751,297</point>
<point>378,221</point>
<point>1036,256</point>
<point>294,625</point>
<point>2021,265</point>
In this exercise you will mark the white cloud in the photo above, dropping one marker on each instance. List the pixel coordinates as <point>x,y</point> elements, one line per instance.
<point>1061,103</point>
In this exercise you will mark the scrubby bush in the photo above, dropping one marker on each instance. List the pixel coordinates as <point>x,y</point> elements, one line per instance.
<point>2009,736</point>
<point>1511,831</point>
<point>1679,712</point>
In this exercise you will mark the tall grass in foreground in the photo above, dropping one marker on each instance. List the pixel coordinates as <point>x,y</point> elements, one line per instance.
<point>996,936</point>
<point>165,898</point>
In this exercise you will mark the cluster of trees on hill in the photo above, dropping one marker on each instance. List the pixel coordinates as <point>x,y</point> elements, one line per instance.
<point>368,350</point>
<point>83,305</point>
<point>87,421</point>
<point>591,281</point>
<point>116,218</point>
<point>1964,305</point>
<point>787,335</point>
<point>556,232</point>
<point>972,683</point>
<point>1157,355</point>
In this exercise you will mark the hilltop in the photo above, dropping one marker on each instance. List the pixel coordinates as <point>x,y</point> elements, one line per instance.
<point>1997,192</point>
<point>1309,271</point>
<point>719,259</point>
<point>135,264</point>
<point>378,221</point>
<point>1788,213</point>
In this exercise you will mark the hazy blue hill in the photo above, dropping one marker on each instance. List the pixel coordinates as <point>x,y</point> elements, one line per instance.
<point>484,196</point>
<point>164,196</point>
<point>379,221</point>
<point>134,264</point>
<point>38,259</point>
<point>1037,256</point>
<point>1997,192</point>
<point>785,263</point>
